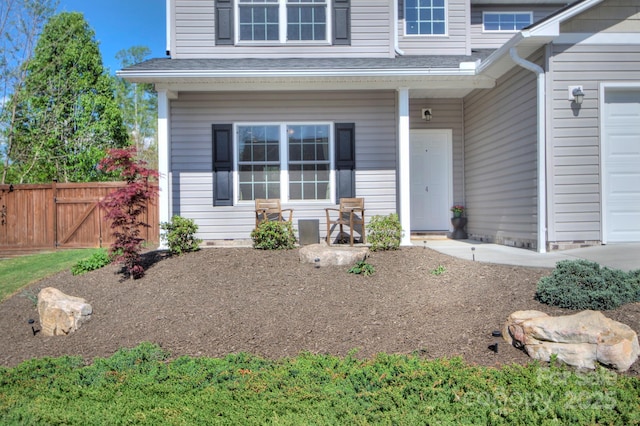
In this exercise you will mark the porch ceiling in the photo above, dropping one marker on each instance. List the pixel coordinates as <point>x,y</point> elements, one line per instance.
<point>419,86</point>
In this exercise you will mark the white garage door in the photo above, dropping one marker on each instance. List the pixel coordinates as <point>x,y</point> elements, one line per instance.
<point>621,165</point>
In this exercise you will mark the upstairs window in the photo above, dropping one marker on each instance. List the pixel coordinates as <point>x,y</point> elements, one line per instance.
<point>282,21</point>
<point>306,20</point>
<point>506,21</point>
<point>425,17</point>
<point>259,20</point>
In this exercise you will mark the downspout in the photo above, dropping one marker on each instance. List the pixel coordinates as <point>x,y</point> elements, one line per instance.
<point>396,29</point>
<point>169,12</point>
<point>542,144</point>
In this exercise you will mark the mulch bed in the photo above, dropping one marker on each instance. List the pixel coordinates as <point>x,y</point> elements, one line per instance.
<point>228,300</point>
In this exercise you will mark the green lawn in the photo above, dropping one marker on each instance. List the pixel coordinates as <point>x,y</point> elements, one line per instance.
<point>18,272</point>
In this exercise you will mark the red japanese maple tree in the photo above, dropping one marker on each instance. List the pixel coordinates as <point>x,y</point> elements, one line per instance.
<point>126,206</point>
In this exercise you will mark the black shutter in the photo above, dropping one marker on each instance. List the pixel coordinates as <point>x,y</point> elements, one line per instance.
<point>400,9</point>
<point>345,139</point>
<point>222,165</point>
<point>341,22</point>
<point>224,22</point>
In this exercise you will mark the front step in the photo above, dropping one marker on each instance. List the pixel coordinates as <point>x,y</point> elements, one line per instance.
<point>429,235</point>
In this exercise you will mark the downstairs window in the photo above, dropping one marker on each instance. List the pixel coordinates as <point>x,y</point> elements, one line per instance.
<point>287,161</point>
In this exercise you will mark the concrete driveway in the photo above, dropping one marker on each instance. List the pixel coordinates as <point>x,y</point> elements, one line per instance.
<point>625,256</point>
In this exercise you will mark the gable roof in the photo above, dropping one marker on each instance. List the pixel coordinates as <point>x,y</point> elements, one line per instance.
<point>532,38</point>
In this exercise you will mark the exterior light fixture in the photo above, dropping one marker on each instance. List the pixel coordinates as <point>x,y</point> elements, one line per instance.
<point>576,94</point>
<point>426,114</point>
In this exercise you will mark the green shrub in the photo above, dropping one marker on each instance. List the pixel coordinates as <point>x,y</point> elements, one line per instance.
<point>385,232</point>
<point>273,235</point>
<point>180,235</point>
<point>144,386</point>
<point>97,260</point>
<point>581,284</point>
<point>362,268</point>
<point>439,270</point>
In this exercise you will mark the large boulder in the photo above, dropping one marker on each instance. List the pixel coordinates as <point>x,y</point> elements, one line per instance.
<point>580,340</point>
<point>61,314</point>
<point>323,254</point>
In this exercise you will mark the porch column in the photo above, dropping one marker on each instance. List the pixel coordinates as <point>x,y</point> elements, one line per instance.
<point>164,184</point>
<point>403,165</point>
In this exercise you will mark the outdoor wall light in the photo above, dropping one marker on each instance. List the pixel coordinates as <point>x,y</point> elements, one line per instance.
<point>576,94</point>
<point>426,114</point>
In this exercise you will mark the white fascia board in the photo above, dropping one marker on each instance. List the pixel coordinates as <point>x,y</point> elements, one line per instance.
<point>213,74</point>
<point>502,52</point>
<point>546,29</point>
<point>574,10</point>
<point>512,2</point>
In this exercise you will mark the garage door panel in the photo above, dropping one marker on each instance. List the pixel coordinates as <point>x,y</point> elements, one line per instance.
<point>624,184</point>
<point>623,147</point>
<point>624,226</point>
<point>621,165</point>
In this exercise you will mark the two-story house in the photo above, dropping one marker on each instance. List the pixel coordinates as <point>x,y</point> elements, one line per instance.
<point>527,112</point>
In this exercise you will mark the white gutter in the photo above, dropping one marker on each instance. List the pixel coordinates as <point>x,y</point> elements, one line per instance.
<point>168,11</point>
<point>231,73</point>
<point>542,144</point>
<point>396,28</point>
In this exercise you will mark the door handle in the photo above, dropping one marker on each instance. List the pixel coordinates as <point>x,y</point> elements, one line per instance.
<point>426,188</point>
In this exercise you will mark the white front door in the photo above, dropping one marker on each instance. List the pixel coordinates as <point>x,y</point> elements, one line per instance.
<point>621,165</point>
<point>431,179</point>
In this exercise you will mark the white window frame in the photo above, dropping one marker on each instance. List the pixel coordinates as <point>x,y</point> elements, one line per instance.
<point>446,23</point>
<point>284,161</point>
<point>282,27</point>
<point>505,12</point>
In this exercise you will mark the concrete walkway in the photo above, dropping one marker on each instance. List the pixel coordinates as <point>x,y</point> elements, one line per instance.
<point>625,256</point>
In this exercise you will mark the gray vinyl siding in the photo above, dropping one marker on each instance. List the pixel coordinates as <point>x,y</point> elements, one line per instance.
<point>612,16</point>
<point>194,33</point>
<point>500,160</point>
<point>447,114</point>
<point>454,43</point>
<point>192,115</point>
<point>574,157</point>
<point>493,40</point>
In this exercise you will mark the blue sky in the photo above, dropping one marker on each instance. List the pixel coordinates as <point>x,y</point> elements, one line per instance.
<point>120,24</point>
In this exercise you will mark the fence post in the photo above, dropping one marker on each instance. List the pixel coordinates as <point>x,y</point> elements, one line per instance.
<point>54,191</point>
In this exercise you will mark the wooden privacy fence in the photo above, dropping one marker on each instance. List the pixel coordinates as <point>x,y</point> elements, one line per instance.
<point>61,215</point>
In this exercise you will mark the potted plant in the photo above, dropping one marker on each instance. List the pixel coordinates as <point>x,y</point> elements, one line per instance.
<point>458,223</point>
<point>457,210</point>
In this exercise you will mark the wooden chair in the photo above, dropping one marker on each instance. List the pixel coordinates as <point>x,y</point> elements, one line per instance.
<point>270,209</point>
<point>351,214</point>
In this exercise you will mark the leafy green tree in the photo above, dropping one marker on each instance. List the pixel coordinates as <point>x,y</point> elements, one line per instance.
<point>139,106</point>
<point>21,22</point>
<point>66,114</point>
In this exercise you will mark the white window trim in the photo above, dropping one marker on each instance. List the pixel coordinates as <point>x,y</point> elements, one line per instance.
<point>282,17</point>
<point>446,25</point>
<point>505,12</point>
<point>284,161</point>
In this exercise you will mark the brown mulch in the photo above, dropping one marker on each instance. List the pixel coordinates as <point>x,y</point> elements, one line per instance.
<point>228,300</point>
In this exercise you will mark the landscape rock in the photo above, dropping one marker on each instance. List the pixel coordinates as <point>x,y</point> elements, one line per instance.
<point>580,340</point>
<point>61,314</point>
<point>324,255</point>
